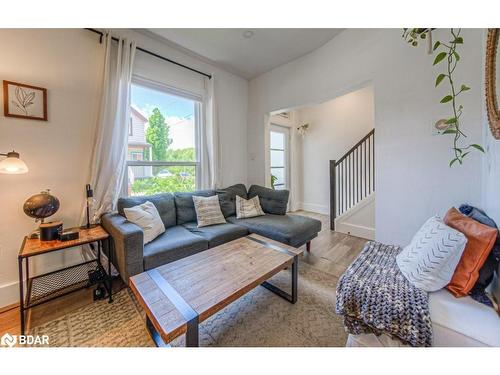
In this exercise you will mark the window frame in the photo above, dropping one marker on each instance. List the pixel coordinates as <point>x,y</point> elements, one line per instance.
<point>198,118</point>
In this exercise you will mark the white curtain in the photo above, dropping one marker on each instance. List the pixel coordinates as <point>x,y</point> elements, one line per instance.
<point>110,142</point>
<point>209,139</point>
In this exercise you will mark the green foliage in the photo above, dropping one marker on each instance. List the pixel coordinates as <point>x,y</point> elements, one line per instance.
<point>181,179</point>
<point>450,55</point>
<point>412,36</point>
<point>439,78</point>
<point>183,154</point>
<point>273,180</point>
<point>157,135</point>
<point>440,57</point>
<point>156,185</point>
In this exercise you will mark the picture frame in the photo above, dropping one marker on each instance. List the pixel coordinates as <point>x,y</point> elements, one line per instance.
<point>24,101</point>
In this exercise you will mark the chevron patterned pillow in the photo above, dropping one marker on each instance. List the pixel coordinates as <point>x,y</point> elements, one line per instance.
<point>429,261</point>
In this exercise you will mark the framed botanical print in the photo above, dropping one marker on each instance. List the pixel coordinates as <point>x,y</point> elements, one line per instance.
<point>24,101</point>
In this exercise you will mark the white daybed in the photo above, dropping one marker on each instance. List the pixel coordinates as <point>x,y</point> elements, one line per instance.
<point>455,322</point>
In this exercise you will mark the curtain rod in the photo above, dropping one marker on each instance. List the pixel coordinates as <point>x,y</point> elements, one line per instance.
<point>101,34</point>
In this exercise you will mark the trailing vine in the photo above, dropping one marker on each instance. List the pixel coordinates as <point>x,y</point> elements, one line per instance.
<point>447,53</point>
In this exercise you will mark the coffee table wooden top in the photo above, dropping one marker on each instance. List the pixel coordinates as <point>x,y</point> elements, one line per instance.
<point>210,280</point>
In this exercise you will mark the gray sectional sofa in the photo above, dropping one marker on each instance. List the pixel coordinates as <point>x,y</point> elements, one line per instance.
<point>183,238</point>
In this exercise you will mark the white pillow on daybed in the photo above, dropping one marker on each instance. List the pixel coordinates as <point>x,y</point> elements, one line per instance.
<point>429,261</point>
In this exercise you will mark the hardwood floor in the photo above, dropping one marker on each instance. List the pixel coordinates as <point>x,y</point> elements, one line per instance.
<point>331,252</point>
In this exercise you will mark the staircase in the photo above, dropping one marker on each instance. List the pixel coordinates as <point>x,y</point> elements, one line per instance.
<point>352,177</point>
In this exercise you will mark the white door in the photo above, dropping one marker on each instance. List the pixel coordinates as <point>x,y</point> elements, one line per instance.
<point>280,156</point>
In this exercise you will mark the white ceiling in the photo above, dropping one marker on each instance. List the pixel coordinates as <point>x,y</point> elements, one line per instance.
<point>248,57</point>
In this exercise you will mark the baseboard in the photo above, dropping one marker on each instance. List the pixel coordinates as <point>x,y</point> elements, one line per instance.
<point>317,208</point>
<point>9,294</point>
<point>9,307</point>
<point>355,230</point>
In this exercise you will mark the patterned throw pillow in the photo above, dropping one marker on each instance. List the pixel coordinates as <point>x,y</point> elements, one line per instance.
<point>429,261</point>
<point>246,208</point>
<point>208,211</point>
<point>146,216</point>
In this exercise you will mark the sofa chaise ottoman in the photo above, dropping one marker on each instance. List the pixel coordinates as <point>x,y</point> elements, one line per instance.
<point>182,236</point>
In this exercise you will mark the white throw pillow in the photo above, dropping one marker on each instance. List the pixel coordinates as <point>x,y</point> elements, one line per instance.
<point>146,216</point>
<point>246,208</point>
<point>429,261</point>
<point>208,211</point>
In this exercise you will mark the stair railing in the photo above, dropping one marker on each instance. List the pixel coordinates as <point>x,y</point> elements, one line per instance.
<point>352,177</point>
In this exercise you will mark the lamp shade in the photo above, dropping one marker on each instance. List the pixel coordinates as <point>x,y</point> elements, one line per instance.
<point>12,164</point>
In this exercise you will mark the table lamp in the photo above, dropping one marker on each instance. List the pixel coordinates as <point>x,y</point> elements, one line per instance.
<point>12,164</point>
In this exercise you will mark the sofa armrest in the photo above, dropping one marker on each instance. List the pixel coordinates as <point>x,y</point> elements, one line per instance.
<point>128,241</point>
<point>272,201</point>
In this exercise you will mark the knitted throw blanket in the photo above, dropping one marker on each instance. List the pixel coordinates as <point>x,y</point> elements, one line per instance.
<point>373,296</point>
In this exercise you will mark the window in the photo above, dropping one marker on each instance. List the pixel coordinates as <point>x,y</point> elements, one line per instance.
<point>279,141</point>
<point>136,155</point>
<point>163,151</point>
<point>130,127</point>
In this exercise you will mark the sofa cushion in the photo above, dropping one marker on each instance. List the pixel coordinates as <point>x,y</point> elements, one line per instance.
<point>465,317</point>
<point>176,243</point>
<point>294,230</point>
<point>227,198</point>
<point>217,234</point>
<point>271,201</point>
<point>164,203</point>
<point>184,206</point>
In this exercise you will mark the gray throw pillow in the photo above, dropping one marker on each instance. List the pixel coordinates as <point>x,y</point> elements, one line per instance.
<point>227,198</point>
<point>272,201</point>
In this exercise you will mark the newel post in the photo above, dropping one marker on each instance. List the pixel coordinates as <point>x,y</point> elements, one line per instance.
<point>333,197</point>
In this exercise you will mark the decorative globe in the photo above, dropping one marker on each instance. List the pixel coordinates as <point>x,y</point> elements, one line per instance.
<point>41,205</point>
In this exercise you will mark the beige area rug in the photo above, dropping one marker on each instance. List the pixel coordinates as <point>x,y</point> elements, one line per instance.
<point>259,319</point>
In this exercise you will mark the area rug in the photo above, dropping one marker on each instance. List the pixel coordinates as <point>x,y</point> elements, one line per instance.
<point>259,319</point>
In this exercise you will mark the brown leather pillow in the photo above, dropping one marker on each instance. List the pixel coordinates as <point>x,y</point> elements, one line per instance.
<point>480,241</point>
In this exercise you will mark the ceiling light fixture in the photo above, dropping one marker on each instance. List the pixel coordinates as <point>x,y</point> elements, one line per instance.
<point>248,34</point>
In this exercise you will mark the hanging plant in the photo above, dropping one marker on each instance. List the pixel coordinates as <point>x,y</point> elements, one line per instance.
<point>447,53</point>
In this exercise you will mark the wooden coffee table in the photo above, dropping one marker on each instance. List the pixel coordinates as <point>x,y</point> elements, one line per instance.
<point>178,296</point>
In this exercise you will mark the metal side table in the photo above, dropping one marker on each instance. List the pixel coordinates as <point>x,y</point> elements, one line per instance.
<point>51,285</point>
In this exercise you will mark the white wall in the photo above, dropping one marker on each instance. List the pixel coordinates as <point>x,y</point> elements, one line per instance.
<point>335,126</point>
<point>69,64</point>
<point>57,152</point>
<point>413,180</point>
<point>360,220</point>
